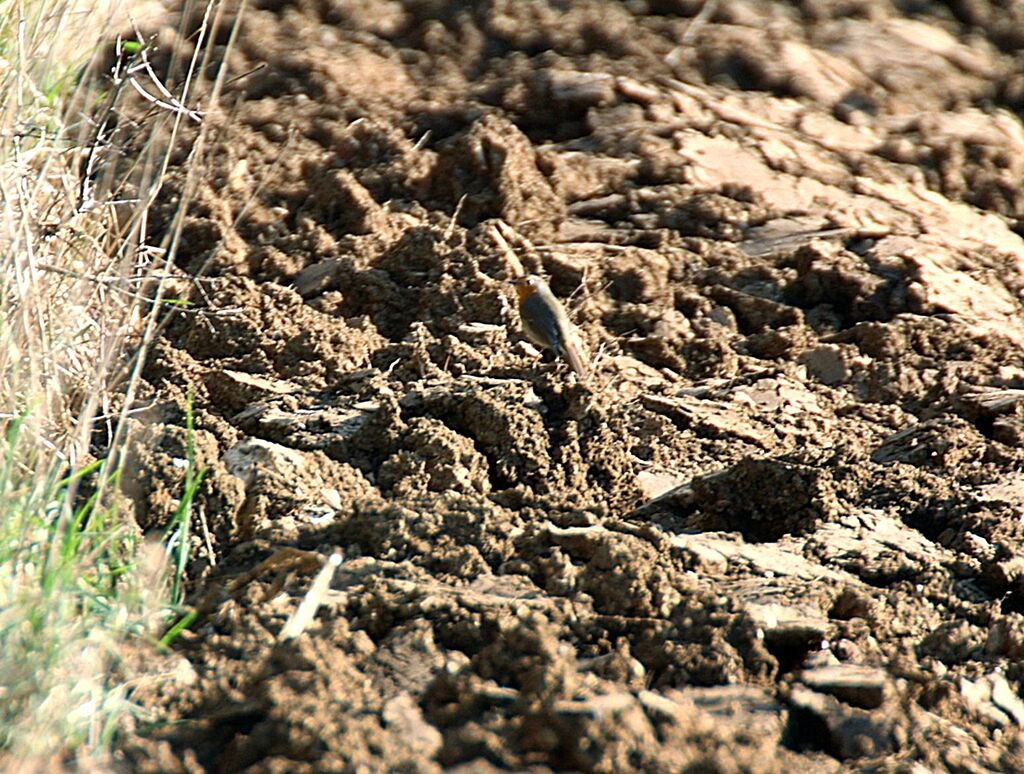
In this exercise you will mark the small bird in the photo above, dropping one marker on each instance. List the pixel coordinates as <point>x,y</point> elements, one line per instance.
<point>546,323</point>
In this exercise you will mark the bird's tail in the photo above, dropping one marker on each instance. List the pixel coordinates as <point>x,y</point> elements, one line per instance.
<point>576,355</point>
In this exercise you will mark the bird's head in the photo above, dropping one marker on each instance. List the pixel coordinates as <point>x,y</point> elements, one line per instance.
<point>527,285</point>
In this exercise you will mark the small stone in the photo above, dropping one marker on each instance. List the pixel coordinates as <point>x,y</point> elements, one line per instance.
<point>826,364</point>
<point>861,686</point>
<point>849,732</point>
<point>1004,697</point>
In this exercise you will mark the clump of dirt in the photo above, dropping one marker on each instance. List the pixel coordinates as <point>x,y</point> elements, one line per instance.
<point>764,499</point>
<point>779,527</point>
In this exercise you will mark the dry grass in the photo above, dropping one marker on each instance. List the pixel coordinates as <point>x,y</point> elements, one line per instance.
<point>79,281</point>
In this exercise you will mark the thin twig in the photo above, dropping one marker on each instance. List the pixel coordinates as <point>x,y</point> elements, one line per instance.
<point>698,21</point>
<point>303,615</point>
<point>169,101</point>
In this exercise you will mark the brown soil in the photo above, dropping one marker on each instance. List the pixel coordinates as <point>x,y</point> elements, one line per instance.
<point>779,530</point>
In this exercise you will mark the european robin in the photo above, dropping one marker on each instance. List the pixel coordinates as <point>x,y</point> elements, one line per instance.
<point>546,323</point>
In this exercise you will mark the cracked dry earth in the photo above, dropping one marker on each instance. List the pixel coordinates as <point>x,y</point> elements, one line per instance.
<point>780,528</point>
